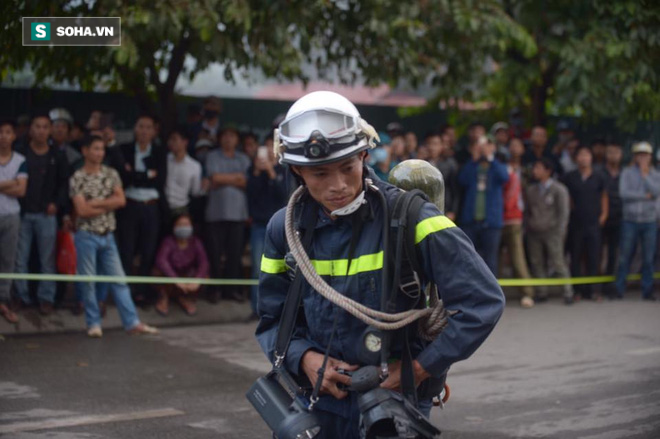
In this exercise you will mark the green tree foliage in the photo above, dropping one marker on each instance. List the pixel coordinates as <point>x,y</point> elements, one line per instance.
<point>161,41</point>
<point>378,40</point>
<point>594,59</point>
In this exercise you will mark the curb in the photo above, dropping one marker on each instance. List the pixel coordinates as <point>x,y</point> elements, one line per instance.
<point>63,320</point>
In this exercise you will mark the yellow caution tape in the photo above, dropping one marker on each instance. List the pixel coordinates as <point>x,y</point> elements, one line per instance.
<point>126,279</point>
<point>202,281</point>
<point>567,280</point>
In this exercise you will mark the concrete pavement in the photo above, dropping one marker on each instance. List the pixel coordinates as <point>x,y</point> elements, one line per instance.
<point>586,371</point>
<point>62,320</point>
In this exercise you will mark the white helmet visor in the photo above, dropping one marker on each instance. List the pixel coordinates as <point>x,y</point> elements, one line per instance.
<point>330,124</point>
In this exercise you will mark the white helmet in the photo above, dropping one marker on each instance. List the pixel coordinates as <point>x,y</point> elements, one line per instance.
<point>322,127</point>
<point>60,114</point>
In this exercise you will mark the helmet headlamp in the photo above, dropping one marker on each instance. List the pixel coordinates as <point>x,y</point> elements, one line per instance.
<point>317,146</point>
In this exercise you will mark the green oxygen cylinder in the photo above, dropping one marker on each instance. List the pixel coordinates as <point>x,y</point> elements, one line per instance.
<point>420,174</point>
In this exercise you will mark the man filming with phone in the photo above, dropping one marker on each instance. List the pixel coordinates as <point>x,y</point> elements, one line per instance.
<point>267,193</point>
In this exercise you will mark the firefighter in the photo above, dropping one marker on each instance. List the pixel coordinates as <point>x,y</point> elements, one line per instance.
<point>324,142</point>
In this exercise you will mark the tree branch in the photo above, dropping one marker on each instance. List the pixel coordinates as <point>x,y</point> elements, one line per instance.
<point>176,60</point>
<point>153,72</point>
<point>130,79</point>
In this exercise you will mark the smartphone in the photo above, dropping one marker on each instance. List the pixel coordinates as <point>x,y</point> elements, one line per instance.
<point>262,153</point>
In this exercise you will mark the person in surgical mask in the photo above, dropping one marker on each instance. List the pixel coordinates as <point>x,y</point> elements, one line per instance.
<point>211,115</point>
<point>180,255</point>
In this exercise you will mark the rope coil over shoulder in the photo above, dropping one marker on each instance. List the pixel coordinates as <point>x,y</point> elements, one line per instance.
<point>432,319</point>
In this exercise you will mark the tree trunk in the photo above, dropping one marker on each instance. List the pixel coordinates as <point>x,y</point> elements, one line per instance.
<point>134,82</point>
<point>539,95</point>
<point>166,90</point>
<point>168,114</point>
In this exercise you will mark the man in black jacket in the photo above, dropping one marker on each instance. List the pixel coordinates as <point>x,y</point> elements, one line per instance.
<point>45,199</point>
<point>266,193</point>
<point>143,176</point>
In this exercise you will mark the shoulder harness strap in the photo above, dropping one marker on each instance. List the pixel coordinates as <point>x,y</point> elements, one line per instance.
<point>307,222</point>
<point>403,220</point>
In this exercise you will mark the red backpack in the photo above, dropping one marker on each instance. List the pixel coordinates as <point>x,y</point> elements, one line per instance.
<point>66,253</point>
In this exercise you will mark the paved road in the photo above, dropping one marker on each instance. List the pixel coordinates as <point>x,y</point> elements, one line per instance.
<point>587,371</point>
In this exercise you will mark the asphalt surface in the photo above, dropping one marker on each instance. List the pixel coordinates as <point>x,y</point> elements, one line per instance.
<point>586,371</point>
<point>63,320</point>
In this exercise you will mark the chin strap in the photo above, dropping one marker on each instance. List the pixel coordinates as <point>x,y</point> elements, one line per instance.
<point>351,207</point>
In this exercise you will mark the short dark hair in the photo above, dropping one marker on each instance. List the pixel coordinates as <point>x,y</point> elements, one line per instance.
<point>598,141</point>
<point>180,131</point>
<point>249,134</point>
<point>9,122</point>
<point>581,147</point>
<point>446,127</point>
<point>212,100</point>
<point>147,116</point>
<point>547,164</point>
<point>229,127</point>
<point>476,124</point>
<point>39,115</point>
<point>88,140</point>
<point>432,133</point>
<point>183,214</point>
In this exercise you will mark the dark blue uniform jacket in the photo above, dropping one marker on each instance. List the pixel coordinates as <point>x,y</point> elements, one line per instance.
<point>448,258</point>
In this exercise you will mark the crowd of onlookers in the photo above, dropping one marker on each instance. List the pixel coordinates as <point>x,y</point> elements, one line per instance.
<point>189,201</point>
<point>551,210</point>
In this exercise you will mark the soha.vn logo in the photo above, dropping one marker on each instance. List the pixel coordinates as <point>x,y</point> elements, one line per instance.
<point>40,32</point>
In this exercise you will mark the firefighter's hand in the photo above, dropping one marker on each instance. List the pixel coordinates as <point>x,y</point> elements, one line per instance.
<point>393,381</point>
<point>312,361</point>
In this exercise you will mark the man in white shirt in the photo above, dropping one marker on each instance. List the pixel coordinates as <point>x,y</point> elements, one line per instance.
<point>184,174</point>
<point>13,183</point>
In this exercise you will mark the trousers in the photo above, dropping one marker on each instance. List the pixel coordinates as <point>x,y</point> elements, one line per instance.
<point>546,255</point>
<point>512,239</point>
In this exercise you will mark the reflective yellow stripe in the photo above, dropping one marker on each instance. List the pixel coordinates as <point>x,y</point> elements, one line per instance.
<point>272,266</point>
<point>339,267</point>
<point>431,225</point>
<point>336,267</point>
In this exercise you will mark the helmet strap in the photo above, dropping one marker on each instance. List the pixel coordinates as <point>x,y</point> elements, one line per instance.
<point>351,207</point>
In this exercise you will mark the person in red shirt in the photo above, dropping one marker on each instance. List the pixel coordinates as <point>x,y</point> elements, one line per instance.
<point>512,238</point>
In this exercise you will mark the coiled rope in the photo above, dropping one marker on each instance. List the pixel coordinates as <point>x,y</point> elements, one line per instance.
<point>432,319</point>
